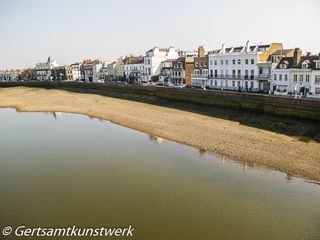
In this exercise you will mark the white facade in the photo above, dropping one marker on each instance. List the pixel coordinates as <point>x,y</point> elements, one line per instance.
<point>297,75</point>
<point>154,58</point>
<point>43,69</point>
<point>235,68</point>
<point>76,71</point>
<point>92,72</point>
<point>134,70</point>
<point>315,83</point>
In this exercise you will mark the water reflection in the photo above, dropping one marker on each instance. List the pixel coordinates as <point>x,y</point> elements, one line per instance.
<point>155,139</point>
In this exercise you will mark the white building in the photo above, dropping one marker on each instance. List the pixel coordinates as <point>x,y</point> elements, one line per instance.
<point>76,71</point>
<point>43,69</point>
<point>153,59</point>
<point>236,68</point>
<point>297,75</point>
<point>91,70</point>
<point>134,69</point>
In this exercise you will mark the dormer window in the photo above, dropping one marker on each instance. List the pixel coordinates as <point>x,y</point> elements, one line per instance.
<point>304,65</point>
<point>283,65</point>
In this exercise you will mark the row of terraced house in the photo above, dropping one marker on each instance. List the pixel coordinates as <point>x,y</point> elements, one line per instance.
<point>264,68</point>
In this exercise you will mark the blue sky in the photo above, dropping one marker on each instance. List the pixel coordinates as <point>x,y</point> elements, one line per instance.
<point>72,30</point>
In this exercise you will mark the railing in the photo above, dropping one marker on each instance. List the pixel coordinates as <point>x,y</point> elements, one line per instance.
<point>234,77</point>
<point>199,75</point>
<point>264,75</point>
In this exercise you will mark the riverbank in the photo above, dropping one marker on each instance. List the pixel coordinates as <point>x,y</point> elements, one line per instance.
<point>230,138</point>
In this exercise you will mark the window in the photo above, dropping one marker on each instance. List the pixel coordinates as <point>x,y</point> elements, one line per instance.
<point>317,90</point>
<point>317,80</point>
<point>251,84</point>
<point>246,75</point>
<point>252,74</point>
<point>239,61</point>
<point>286,77</point>
<point>197,64</point>
<point>221,62</point>
<point>215,62</point>
<point>227,72</point>
<point>247,61</point>
<point>233,83</point>
<point>215,82</point>
<point>307,78</point>
<point>275,77</point>
<point>304,65</point>
<point>317,64</point>
<point>210,62</point>
<point>215,73</point>
<point>280,77</point>
<point>221,73</point>
<point>239,73</point>
<point>234,62</point>
<point>295,77</point>
<point>211,73</point>
<point>227,62</point>
<point>233,73</point>
<point>252,61</point>
<point>301,78</point>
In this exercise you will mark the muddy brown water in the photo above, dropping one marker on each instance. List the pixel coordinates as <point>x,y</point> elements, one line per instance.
<point>60,170</point>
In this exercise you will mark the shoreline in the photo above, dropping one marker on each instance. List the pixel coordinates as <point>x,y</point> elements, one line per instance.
<point>224,137</point>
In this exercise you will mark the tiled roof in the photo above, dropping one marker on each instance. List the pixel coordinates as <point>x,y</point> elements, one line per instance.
<point>288,61</point>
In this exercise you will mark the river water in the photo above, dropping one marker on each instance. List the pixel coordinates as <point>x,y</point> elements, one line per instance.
<point>60,170</point>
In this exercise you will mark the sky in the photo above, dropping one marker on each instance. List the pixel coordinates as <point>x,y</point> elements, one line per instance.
<point>72,30</point>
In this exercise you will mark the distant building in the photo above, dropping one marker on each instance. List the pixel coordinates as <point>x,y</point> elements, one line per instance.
<point>91,70</point>
<point>182,70</point>
<point>28,74</point>
<point>297,75</point>
<point>200,74</point>
<point>236,68</point>
<point>166,70</point>
<point>134,68</point>
<point>76,71</point>
<point>10,75</point>
<point>153,59</point>
<point>43,70</point>
<point>62,73</point>
<point>266,68</point>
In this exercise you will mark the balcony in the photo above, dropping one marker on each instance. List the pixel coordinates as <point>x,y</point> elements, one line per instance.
<point>234,77</point>
<point>264,77</point>
<point>199,76</point>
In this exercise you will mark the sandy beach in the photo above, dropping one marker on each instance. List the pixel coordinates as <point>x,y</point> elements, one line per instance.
<point>229,138</point>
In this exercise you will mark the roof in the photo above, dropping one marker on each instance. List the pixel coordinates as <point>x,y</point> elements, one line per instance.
<point>133,60</point>
<point>261,47</point>
<point>288,61</point>
<point>282,52</point>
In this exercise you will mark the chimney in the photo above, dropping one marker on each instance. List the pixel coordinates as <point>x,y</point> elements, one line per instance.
<point>201,51</point>
<point>308,54</point>
<point>247,46</point>
<point>223,49</point>
<point>296,56</point>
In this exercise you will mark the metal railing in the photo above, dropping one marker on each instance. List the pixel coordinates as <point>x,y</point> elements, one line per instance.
<point>235,77</point>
